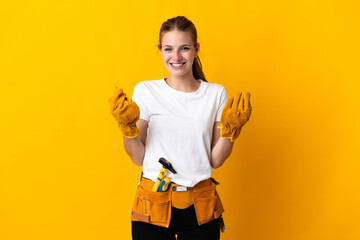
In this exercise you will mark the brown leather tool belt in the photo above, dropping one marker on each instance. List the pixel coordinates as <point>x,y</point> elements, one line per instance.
<point>155,207</point>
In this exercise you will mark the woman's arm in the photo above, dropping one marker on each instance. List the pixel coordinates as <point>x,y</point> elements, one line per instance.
<point>220,148</point>
<point>135,147</point>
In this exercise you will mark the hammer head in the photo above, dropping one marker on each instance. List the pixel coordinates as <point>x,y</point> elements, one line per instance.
<point>166,164</point>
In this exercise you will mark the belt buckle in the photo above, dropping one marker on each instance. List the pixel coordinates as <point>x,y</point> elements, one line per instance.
<point>180,189</point>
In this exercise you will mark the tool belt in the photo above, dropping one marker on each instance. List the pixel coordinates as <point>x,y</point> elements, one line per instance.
<point>155,207</point>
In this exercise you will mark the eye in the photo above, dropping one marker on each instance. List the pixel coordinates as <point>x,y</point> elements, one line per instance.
<point>167,49</point>
<point>186,48</point>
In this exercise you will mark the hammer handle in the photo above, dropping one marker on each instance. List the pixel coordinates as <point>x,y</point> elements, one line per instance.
<point>158,180</point>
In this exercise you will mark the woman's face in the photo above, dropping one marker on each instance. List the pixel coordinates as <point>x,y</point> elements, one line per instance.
<point>178,52</point>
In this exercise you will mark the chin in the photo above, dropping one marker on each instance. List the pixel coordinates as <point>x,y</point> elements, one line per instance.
<point>178,74</point>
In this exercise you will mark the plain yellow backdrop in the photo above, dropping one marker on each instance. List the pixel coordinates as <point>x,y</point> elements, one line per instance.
<point>294,171</point>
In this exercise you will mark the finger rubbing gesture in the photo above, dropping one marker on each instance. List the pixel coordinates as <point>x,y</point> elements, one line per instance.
<point>126,113</point>
<point>235,114</point>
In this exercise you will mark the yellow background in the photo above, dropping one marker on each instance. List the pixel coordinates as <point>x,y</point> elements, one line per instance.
<point>294,171</point>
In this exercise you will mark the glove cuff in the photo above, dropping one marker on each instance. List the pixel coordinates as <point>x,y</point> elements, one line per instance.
<point>230,133</point>
<point>129,130</point>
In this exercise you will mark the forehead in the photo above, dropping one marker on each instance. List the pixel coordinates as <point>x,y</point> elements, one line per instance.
<point>176,38</point>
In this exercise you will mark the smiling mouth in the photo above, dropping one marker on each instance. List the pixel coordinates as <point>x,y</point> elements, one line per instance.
<point>177,64</point>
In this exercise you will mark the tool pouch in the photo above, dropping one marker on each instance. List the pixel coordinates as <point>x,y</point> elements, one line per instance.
<point>155,207</point>
<point>207,204</point>
<point>152,207</point>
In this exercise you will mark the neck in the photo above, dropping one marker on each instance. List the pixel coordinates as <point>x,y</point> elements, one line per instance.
<point>183,83</point>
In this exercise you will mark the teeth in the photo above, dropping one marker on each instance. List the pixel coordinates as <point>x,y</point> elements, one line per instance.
<point>177,65</point>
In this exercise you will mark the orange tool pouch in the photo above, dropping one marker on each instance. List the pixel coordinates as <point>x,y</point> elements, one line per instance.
<point>155,207</point>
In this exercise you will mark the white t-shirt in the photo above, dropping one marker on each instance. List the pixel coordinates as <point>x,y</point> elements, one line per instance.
<point>180,127</point>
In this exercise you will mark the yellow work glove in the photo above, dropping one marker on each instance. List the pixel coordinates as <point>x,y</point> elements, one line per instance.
<point>235,114</point>
<point>126,113</point>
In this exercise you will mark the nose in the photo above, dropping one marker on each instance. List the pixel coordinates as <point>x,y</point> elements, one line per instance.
<point>177,56</point>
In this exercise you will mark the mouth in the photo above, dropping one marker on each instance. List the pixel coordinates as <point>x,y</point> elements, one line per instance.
<point>177,65</point>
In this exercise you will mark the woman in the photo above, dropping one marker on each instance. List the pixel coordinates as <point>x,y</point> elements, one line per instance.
<point>187,121</point>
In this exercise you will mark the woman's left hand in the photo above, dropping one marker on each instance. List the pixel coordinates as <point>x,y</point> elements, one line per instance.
<point>235,115</point>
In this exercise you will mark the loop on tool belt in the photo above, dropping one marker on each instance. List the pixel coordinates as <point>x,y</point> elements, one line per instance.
<point>155,207</point>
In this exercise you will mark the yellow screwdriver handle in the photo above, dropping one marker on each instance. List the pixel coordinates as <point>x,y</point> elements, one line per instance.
<point>164,184</point>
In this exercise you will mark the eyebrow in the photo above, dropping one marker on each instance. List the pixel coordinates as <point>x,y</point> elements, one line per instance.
<point>180,46</point>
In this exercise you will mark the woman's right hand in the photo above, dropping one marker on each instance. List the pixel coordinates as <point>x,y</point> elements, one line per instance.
<point>126,113</point>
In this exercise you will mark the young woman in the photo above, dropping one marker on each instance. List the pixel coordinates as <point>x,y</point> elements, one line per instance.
<point>190,123</point>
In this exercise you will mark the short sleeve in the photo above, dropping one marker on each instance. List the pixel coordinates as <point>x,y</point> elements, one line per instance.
<point>222,102</point>
<point>139,96</point>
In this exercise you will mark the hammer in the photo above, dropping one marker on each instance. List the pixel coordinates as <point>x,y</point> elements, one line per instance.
<point>166,165</point>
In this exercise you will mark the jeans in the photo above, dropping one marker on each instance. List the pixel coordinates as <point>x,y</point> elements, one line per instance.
<point>183,223</point>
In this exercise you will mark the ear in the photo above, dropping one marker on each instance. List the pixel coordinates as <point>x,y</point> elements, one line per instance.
<point>197,49</point>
